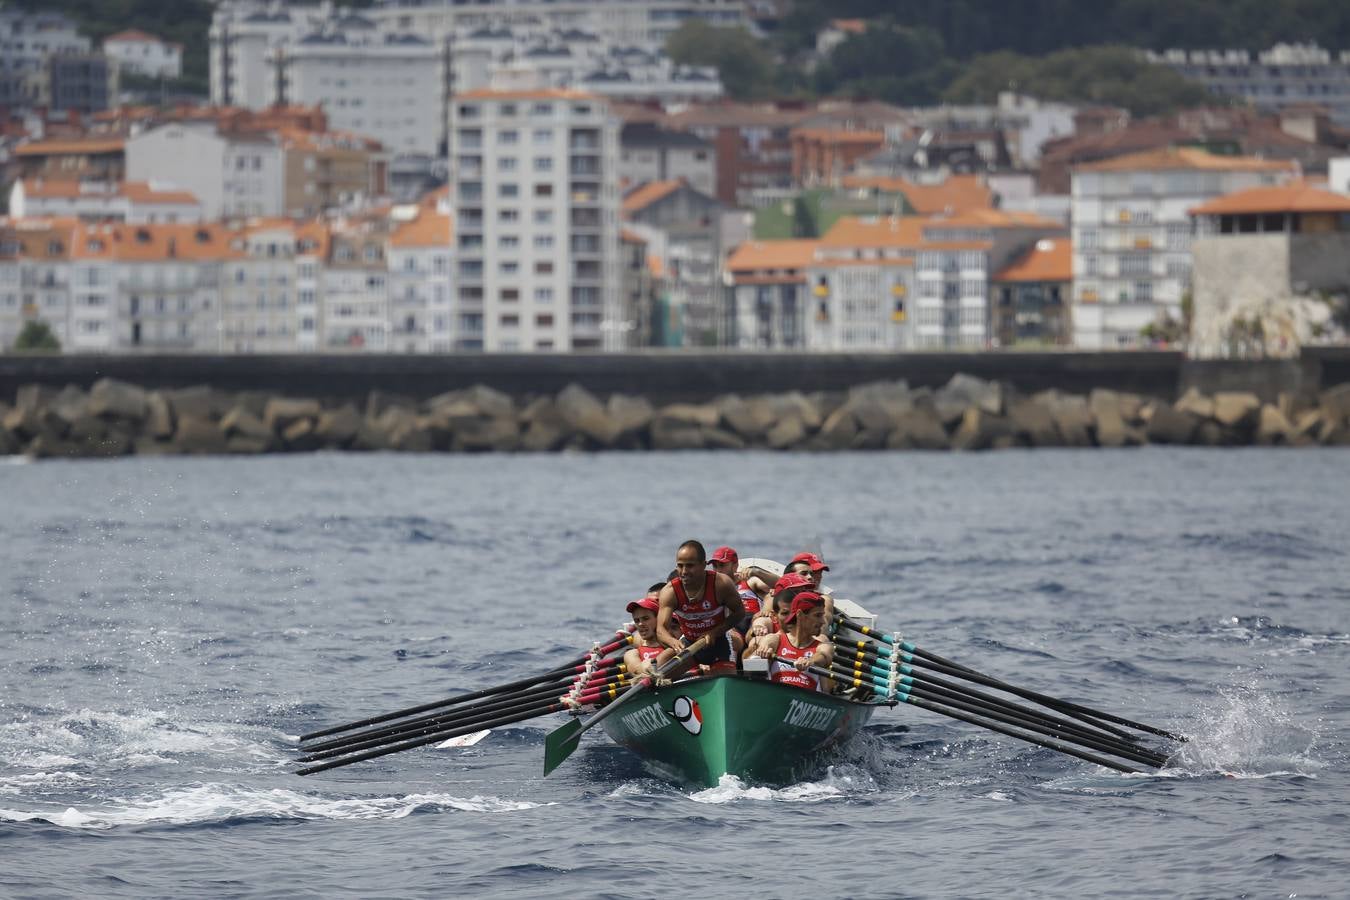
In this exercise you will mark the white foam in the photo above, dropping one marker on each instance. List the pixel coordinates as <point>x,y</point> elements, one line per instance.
<point>731,789</point>
<point>1250,732</point>
<point>218,802</point>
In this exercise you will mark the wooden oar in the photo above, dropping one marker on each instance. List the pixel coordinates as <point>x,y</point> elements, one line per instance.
<point>867,662</point>
<point>905,696</point>
<point>577,665</point>
<point>530,712</point>
<point>547,689</point>
<point>911,653</point>
<point>562,742</point>
<point>510,703</point>
<point>998,714</point>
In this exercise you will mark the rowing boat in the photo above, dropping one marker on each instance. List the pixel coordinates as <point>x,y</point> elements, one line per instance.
<point>700,729</point>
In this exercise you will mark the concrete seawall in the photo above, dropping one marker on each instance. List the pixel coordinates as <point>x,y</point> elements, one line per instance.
<point>682,377</point>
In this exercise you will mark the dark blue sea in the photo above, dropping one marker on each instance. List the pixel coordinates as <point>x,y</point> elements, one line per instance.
<point>169,626</point>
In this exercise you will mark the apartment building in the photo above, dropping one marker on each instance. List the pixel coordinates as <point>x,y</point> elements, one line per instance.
<point>768,299</point>
<point>94,157</point>
<point>648,152</point>
<point>27,39</point>
<point>230,174</point>
<point>1283,75</point>
<point>1132,236</point>
<point>389,86</point>
<point>144,54</point>
<point>1030,300</point>
<point>136,202</point>
<point>264,286</point>
<point>536,205</point>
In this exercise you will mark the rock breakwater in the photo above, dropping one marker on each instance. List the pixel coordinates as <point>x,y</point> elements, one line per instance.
<point>114,418</point>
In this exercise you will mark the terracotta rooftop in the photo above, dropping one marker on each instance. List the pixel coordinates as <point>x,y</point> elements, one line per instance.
<point>852,26</point>
<point>645,195</point>
<point>1049,259</point>
<point>839,135</point>
<point>771,262</point>
<point>1299,197</point>
<point>132,35</point>
<point>70,147</point>
<point>429,229</point>
<point>958,192</point>
<point>1173,158</point>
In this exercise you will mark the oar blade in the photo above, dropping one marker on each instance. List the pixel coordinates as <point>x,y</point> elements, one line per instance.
<point>560,744</point>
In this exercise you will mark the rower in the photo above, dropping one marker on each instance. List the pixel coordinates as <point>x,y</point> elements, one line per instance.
<point>811,567</point>
<point>701,603</point>
<point>725,561</point>
<point>647,652</point>
<point>800,644</point>
<point>769,620</point>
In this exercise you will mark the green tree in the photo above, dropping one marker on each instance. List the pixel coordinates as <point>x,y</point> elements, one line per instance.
<point>744,63</point>
<point>889,62</point>
<point>36,336</point>
<point>1115,76</point>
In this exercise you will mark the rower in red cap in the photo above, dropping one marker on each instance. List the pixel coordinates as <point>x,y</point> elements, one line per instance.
<point>647,652</point>
<point>725,561</point>
<point>799,644</point>
<point>811,567</point>
<point>701,603</point>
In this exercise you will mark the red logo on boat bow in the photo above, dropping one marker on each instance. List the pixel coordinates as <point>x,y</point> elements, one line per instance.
<point>685,711</point>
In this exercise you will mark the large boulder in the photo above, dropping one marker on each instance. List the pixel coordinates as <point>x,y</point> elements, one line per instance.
<point>1033,423</point>
<point>244,422</point>
<point>677,434</point>
<point>788,432</point>
<point>1108,422</point>
<point>1335,404</point>
<point>1273,428</point>
<point>721,439</point>
<point>981,430</point>
<point>1073,417</point>
<point>70,404</point>
<point>198,436</point>
<point>632,416</point>
<point>750,418</point>
<point>796,404</point>
<point>919,429</point>
<point>159,421</point>
<point>487,401</point>
<point>1195,403</point>
<point>838,431</point>
<point>200,402</point>
<point>500,434</point>
<point>585,415</point>
<point>1170,425</point>
<point>299,436</point>
<point>281,413</point>
<point>965,391</point>
<point>1237,409</point>
<point>545,429</point>
<point>378,402</point>
<point>114,399</point>
<point>339,427</point>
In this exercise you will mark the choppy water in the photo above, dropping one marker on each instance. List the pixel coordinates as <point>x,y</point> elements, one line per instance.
<point>168,625</point>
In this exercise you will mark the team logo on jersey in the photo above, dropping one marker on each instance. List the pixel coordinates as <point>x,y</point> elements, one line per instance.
<point>685,711</point>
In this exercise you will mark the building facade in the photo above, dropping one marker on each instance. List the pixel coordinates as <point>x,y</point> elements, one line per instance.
<point>536,208</point>
<point>230,174</point>
<point>1132,236</point>
<point>144,54</point>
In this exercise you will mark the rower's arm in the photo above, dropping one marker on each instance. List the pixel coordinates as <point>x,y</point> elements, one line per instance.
<point>730,598</point>
<point>664,634</point>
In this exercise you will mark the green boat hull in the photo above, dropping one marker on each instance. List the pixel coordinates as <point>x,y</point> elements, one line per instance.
<point>752,729</point>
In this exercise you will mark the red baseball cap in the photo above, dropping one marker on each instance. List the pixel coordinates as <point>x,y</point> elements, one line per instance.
<point>724,555</point>
<point>646,603</point>
<point>801,603</point>
<point>789,580</point>
<point>815,562</point>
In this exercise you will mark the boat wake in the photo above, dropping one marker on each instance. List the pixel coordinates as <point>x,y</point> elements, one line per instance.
<point>224,804</point>
<point>731,789</point>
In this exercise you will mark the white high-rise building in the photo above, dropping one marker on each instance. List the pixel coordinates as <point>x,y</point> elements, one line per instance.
<point>536,205</point>
<point>1132,236</point>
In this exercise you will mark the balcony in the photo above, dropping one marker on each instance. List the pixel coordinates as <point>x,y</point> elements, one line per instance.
<point>584,166</point>
<point>587,219</point>
<point>586,245</point>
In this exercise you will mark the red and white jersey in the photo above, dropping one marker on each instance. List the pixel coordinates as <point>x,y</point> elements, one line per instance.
<point>786,674</point>
<point>749,599</point>
<point>645,653</point>
<point>698,617</point>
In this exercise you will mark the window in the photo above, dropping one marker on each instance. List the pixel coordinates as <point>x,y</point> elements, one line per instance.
<point>542,136</point>
<point>543,190</point>
<point>543,217</point>
<point>543,164</point>
<point>543,241</point>
<point>541,109</point>
<point>543,295</point>
<point>509,268</point>
<point>1135,264</point>
<point>508,215</point>
<point>510,320</point>
<point>1087,239</point>
<point>508,190</point>
<point>507,109</point>
<point>508,137</point>
<point>509,295</point>
<point>508,242</point>
<point>543,268</point>
<point>506,164</point>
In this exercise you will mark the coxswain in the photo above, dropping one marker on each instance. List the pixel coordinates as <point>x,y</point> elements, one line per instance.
<point>647,653</point>
<point>699,602</point>
<point>800,645</point>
